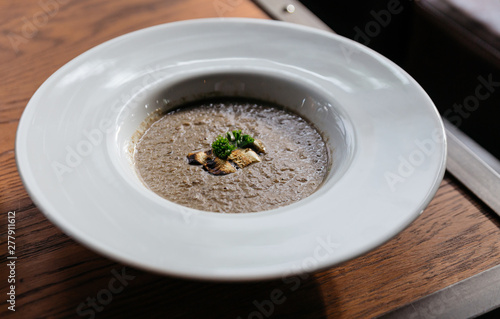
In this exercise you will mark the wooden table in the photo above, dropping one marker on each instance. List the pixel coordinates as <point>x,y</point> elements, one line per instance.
<point>455,238</point>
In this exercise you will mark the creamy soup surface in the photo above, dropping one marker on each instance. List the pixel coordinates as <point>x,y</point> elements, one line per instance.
<point>294,165</point>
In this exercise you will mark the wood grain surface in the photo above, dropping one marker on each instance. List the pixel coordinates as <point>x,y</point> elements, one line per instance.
<point>455,238</point>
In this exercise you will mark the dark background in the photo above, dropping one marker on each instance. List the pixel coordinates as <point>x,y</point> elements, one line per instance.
<point>444,49</point>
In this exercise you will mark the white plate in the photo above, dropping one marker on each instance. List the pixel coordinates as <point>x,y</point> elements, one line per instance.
<point>71,149</point>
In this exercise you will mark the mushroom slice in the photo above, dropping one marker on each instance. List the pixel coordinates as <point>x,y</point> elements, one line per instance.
<point>259,146</point>
<point>217,166</point>
<point>198,158</point>
<point>243,158</point>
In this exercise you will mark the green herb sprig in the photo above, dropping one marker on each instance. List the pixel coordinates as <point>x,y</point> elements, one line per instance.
<point>223,146</point>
